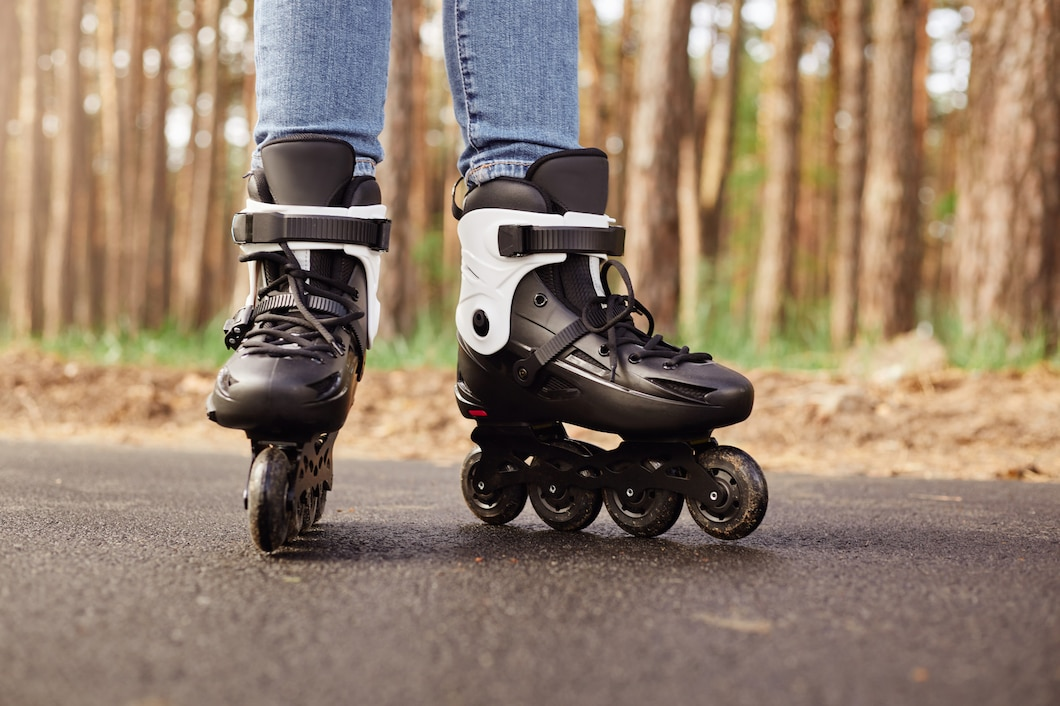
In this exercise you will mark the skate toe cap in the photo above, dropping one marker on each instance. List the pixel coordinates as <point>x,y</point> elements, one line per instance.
<point>264,396</point>
<point>735,394</point>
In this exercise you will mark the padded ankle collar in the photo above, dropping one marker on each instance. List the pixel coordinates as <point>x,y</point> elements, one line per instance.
<point>311,170</point>
<point>575,179</point>
<point>570,180</point>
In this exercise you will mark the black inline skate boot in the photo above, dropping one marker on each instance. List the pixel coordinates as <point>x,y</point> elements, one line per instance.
<point>312,235</point>
<point>543,341</point>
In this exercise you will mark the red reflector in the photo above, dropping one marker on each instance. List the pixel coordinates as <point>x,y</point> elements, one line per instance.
<point>477,412</point>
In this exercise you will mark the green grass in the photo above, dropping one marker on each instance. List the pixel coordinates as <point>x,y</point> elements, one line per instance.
<point>992,348</point>
<point>167,346</point>
<point>432,344</point>
<point>803,345</point>
<point>721,330</point>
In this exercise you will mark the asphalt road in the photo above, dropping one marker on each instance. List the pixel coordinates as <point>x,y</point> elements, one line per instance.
<point>127,577</point>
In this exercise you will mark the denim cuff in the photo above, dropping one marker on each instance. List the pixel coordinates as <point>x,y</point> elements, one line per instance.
<point>485,172</point>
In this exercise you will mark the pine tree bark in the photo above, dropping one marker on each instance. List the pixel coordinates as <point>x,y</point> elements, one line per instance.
<point>624,104</point>
<point>55,278</point>
<point>25,231</point>
<point>651,215</point>
<point>114,231</point>
<point>401,282</point>
<point>1007,244</point>
<point>191,263</point>
<point>782,118</point>
<point>850,159</point>
<point>9,59</point>
<point>592,76</point>
<point>718,141</point>
<point>176,257</point>
<point>890,253</point>
<point>146,281</point>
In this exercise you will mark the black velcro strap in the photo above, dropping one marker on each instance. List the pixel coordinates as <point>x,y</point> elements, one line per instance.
<point>514,240</point>
<point>268,227</point>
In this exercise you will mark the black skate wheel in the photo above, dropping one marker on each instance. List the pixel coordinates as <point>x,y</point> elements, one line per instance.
<point>643,513</point>
<point>738,505</point>
<point>322,501</point>
<point>566,508</point>
<point>267,510</point>
<point>496,507</point>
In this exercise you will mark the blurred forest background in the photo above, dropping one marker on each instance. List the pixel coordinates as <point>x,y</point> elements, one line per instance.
<point>817,172</point>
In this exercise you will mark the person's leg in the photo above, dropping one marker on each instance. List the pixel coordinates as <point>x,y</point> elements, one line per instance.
<point>513,72</point>
<point>322,69</point>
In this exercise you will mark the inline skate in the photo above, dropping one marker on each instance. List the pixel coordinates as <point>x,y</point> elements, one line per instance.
<point>543,342</point>
<point>312,235</point>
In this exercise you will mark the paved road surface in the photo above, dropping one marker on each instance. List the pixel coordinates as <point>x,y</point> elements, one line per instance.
<point>127,577</point>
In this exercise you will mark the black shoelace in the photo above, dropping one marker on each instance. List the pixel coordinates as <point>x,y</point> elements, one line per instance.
<point>298,312</point>
<point>610,315</point>
<point>617,311</point>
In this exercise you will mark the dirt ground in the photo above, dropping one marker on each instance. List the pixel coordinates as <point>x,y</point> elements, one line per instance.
<point>899,411</point>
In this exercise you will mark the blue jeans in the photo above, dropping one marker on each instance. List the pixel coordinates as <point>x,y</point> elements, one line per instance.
<point>512,65</point>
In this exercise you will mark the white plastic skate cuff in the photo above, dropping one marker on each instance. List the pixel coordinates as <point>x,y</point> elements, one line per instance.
<point>488,279</point>
<point>370,259</point>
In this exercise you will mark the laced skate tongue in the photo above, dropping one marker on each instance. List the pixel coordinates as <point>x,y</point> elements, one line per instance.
<point>573,281</point>
<point>312,303</point>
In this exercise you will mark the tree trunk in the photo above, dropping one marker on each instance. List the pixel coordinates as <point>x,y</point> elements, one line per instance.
<point>180,203</point>
<point>689,228</point>
<point>657,123</point>
<point>9,59</point>
<point>782,117</point>
<point>26,224</point>
<point>890,252</point>
<point>718,141</point>
<point>111,164</point>
<point>592,76</point>
<point>146,280</point>
<point>1008,212</point>
<point>401,281</point>
<point>850,159</point>
<point>55,273</point>
<point>190,263</point>
<point>624,104</point>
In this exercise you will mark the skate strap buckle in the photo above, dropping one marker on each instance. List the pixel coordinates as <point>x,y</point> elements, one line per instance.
<point>269,227</point>
<point>237,326</point>
<point>514,240</point>
<point>527,369</point>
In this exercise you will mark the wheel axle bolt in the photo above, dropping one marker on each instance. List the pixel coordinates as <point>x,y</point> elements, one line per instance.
<point>629,492</point>
<point>552,489</point>
<point>714,496</point>
<point>481,485</point>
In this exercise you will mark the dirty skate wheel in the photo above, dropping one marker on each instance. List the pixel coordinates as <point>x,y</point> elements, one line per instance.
<point>497,507</point>
<point>566,508</point>
<point>321,503</point>
<point>643,513</point>
<point>741,497</point>
<point>267,499</point>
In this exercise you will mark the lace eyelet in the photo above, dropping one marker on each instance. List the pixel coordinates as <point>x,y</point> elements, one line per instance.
<point>669,366</point>
<point>634,358</point>
<point>605,351</point>
<point>540,300</point>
